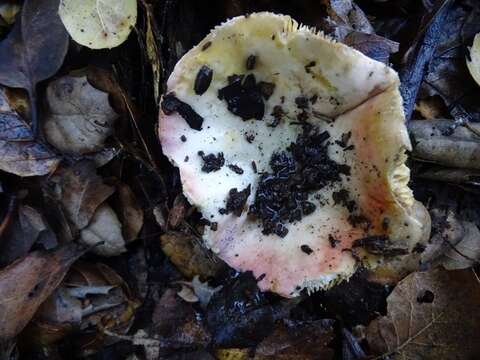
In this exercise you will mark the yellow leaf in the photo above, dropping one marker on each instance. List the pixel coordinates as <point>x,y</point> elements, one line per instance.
<point>98,24</point>
<point>473,63</point>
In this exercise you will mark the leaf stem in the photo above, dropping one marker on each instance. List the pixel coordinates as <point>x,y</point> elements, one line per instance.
<point>32,97</point>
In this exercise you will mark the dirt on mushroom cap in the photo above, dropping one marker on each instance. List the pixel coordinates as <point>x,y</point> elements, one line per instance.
<point>320,86</point>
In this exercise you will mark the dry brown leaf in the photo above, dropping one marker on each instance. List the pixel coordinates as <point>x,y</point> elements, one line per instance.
<point>432,107</point>
<point>432,142</point>
<point>28,227</point>
<point>104,233</point>
<point>34,49</point>
<point>20,153</point>
<point>431,315</point>
<point>306,341</point>
<point>175,321</point>
<point>89,297</point>
<point>348,14</point>
<point>188,255</point>
<point>196,290</point>
<point>177,213</point>
<point>374,46</point>
<point>80,117</point>
<point>80,191</point>
<point>27,282</point>
<point>130,212</point>
<point>466,252</point>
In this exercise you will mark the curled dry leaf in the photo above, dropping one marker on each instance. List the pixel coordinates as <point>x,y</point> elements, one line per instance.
<point>196,290</point>
<point>98,24</point>
<point>91,297</point>
<point>473,61</point>
<point>466,252</point>
<point>28,282</point>
<point>433,142</point>
<point>450,175</point>
<point>188,254</point>
<point>80,191</point>
<point>104,233</point>
<point>80,117</point>
<point>431,315</point>
<point>35,48</point>
<point>130,212</point>
<point>22,155</point>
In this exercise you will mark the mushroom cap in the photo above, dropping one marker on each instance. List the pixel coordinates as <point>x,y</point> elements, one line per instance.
<point>351,97</point>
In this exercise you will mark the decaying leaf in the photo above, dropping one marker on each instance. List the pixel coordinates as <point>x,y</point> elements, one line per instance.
<point>28,227</point>
<point>304,340</point>
<point>177,213</point>
<point>130,212</point>
<point>35,48</point>
<point>239,315</point>
<point>80,116</point>
<point>20,153</point>
<point>466,252</point>
<point>104,233</point>
<point>175,321</point>
<point>450,175</point>
<point>348,14</point>
<point>447,74</point>
<point>189,255</point>
<point>374,46</point>
<point>431,315</point>
<point>473,61</point>
<point>27,282</point>
<point>91,298</point>
<point>432,107</point>
<point>80,191</point>
<point>8,12</point>
<point>196,290</point>
<point>153,52</point>
<point>98,24</point>
<point>434,141</point>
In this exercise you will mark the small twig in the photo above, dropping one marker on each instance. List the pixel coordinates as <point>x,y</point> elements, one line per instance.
<point>413,72</point>
<point>32,98</point>
<point>7,220</point>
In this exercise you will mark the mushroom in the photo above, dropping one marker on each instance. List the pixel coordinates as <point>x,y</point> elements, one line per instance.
<point>292,146</point>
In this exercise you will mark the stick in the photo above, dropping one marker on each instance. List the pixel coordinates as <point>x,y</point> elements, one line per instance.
<point>411,75</point>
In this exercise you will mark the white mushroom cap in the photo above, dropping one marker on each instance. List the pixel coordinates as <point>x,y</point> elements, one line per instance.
<point>352,96</point>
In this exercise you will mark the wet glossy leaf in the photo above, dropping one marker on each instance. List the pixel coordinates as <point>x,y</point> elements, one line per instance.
<point>28,282</point>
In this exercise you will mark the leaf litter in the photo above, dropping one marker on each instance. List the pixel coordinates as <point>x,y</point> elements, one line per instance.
<point>148,288</point>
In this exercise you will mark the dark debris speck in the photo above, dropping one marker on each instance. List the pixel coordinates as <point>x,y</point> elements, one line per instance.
<point>212,162</point>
